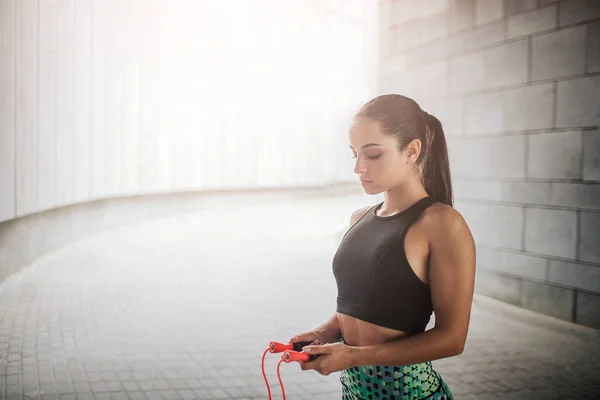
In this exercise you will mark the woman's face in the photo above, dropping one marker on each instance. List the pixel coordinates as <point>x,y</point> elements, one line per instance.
<point>380,165</point>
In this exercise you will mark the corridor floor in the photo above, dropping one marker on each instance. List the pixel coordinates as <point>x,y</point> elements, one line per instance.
<point>183,307</point>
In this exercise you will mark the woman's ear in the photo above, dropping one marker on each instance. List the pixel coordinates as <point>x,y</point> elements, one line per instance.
<point>412,151</point>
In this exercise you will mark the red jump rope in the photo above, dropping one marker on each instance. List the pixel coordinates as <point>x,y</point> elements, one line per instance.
<point>291,352</point>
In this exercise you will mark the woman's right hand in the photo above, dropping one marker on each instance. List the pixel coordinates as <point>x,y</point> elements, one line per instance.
<point>312,337</point>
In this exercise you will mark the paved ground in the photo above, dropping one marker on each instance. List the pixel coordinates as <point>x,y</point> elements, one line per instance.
<point>182,308</point>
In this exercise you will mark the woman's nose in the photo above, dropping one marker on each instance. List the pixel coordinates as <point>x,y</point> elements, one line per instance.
<point>359,167</point>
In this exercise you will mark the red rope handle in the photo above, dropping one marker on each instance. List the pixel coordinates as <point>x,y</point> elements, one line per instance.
<point>279,377</point>
<point>265,375</point>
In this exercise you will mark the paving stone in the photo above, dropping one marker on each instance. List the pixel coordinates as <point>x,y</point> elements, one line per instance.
<point>172,312</point>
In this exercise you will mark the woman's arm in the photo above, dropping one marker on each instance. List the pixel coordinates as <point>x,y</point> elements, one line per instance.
<point>330,331</point>
<point>451,280</point>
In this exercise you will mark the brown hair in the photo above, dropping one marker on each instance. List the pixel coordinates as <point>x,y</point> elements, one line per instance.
<point>404,119</point>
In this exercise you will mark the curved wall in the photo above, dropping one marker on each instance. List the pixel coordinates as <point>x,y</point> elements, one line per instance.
<point>112,98</point>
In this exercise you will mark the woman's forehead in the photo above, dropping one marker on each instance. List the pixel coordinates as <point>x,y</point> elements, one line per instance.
<point>364,130</point>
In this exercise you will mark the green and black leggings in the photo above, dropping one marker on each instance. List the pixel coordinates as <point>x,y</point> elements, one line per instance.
<point>409,382</point>
<point>416,381</point>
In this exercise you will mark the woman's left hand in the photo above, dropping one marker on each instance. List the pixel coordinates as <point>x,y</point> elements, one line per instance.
<point>333,357</point>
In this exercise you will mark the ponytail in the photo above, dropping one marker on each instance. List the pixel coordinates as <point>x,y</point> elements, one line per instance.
<point>436,166</point>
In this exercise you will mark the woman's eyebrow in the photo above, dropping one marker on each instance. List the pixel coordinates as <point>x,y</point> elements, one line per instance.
<point>367,145</point>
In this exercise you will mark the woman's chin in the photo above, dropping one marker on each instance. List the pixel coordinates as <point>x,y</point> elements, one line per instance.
<point>370,188</point>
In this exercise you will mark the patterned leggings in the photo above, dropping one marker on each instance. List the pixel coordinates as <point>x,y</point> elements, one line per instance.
<point>410,382</point>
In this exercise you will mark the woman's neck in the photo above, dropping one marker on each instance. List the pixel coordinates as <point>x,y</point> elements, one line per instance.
<point>401,197</point>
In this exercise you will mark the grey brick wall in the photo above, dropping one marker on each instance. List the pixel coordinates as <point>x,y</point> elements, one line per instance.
<point>516,84</point>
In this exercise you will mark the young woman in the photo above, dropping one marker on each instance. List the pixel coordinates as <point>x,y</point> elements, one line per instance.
<point>401,260</point>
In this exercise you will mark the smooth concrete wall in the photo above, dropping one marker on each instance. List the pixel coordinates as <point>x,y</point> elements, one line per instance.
<point>516,85</point>
<point>113,98</point>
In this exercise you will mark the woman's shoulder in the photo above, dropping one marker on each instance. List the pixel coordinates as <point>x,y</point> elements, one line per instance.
<point>358,214</point>
<point>441,220</point>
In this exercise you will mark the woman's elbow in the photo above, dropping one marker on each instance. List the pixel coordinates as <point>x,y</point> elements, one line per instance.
<point>457,344</point>
<point>458,347</point>
<point>454,341</point>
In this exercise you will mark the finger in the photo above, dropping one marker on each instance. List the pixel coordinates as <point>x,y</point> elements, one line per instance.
<point>305,365</point>
<point>317,349</point>
<point>303,337</point>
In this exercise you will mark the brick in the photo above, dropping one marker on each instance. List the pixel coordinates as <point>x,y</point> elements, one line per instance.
<point>575,11</point>
<point>554,155</point>
<point>432,81</point>
<point>497,286</point>
<point>579,276</point>
<point>456,154</point>
<point>462,14</point>
<point>186,394</point>
<point>488,11</point>
<point>484,113</point>
<point>559,54</point>
<point>488,259</point>
<point>98,387</point>
<point>435,27</point>
<point>170,395</point>
<point>505,156</point>
<point>386,13</point>
<point>576,195</point>
<point>449,112</point>
<point>131,386</point>
<point>526,192</point>
<point>523,265</point>
<point>517,6</point>
<point>466,73</point>
<point>549,300</point>
<point>386,46</point>
<point>392,66</point>
<point>497,157</point>
<point>406,36</point>
<point>532,22</point>
<point>577,102</point>
<point>483,36</point>
<point>404,11</point>
<point>415,32</point>
<point>518,109</point>
<point>510,192</point>
<point>589,237</point>
<point>551,232</point>
<point>506,64</point>
<point>591,156</point>
<point>506,220</point>
<point>476,189</point>
<point>428,52</point>
<point>219,393</point>
<point>512,264</point>
<point>593,47</point>
<point>587,309</point>
<point>405,83</point>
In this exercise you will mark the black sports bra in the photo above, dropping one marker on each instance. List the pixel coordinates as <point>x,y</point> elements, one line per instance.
<point>374,279</point>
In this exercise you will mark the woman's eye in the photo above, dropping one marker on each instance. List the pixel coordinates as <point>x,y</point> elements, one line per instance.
<point>374,156</point>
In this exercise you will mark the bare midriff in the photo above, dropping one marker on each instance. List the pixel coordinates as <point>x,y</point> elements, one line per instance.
<point>361,333</point>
